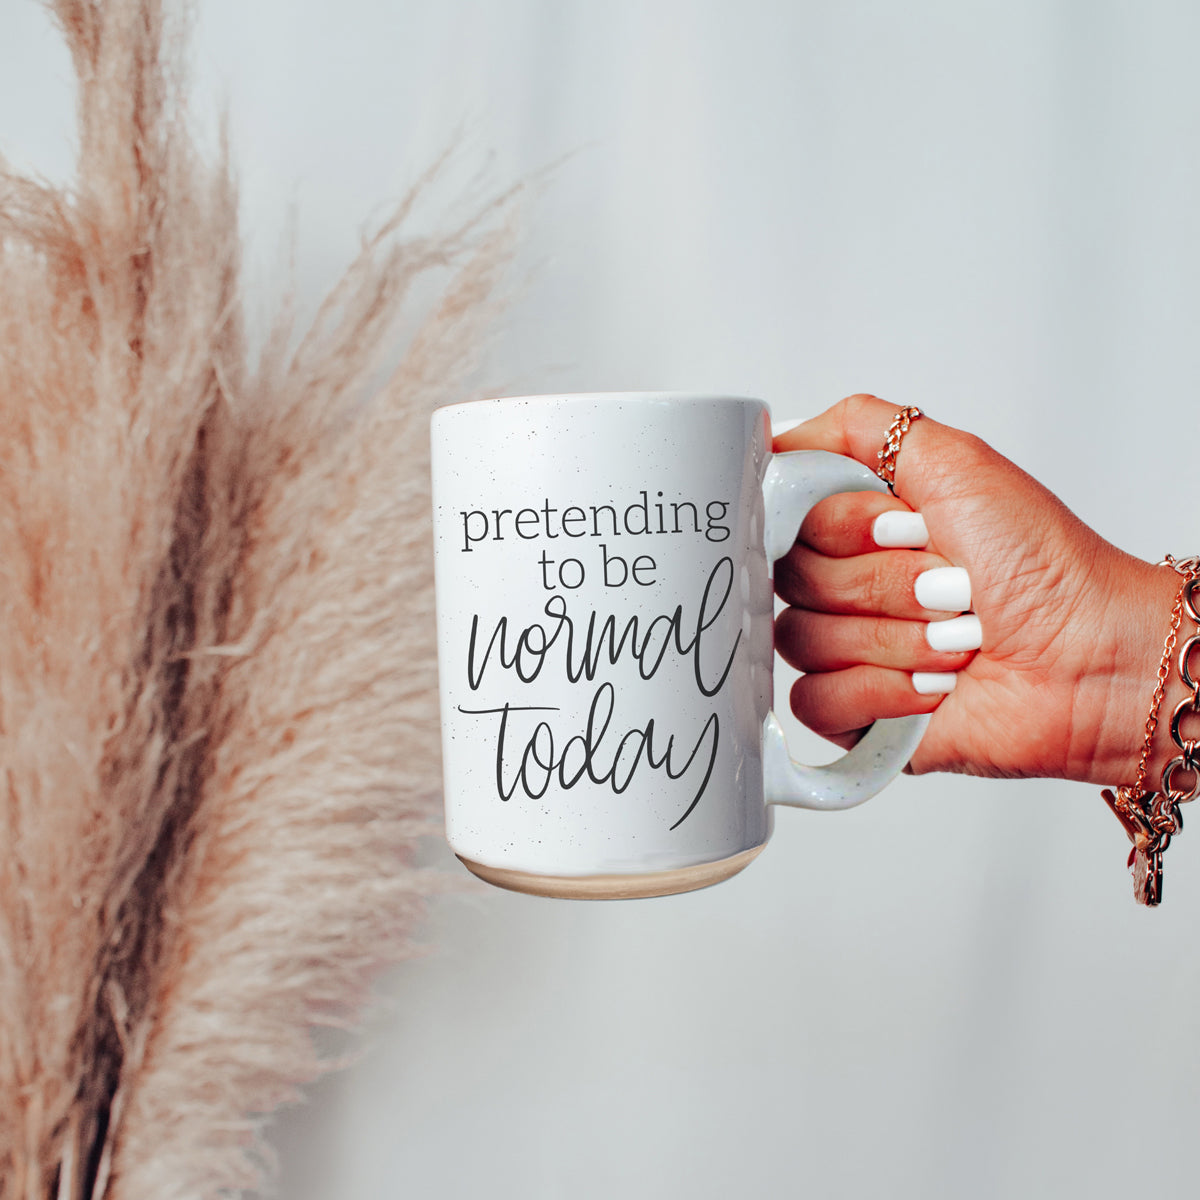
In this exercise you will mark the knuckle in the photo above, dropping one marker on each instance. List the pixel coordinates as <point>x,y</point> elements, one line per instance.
<point>819,523</point>
<point>879,642</point>
<point>972,451</point>
<point>809,702</point>
<point>793,638</point>
<point>790,582</point>
<point>857,409</point>
<point>881,584</point>
<point>858,402</point>
<point>971,458</point>
<point>832,523</point>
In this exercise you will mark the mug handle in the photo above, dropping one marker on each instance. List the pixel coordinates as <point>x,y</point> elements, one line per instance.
<point>794,482</point>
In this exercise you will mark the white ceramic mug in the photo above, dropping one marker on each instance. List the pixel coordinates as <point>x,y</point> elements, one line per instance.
<point>605,640</point>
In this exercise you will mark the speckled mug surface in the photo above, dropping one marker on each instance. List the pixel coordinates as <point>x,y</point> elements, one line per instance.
<point>605,624</point>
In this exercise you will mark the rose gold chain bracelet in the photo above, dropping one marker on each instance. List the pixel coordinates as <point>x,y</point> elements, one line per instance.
<point>1152,818</point>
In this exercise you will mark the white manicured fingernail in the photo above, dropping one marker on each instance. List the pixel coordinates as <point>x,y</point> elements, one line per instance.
<point>959,633</point>
<point>899,528</point>
<point>934,683</point>
<point>943,589</point>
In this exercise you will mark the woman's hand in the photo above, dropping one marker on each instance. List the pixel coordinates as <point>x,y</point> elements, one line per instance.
<point>1071,627</point>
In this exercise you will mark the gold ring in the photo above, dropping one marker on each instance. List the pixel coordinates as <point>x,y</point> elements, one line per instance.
<point>891,445</point>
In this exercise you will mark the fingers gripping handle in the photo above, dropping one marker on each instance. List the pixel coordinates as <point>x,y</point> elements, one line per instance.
<point>793,484</point>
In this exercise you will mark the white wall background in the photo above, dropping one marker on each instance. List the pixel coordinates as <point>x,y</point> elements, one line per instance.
<point>988,209</point>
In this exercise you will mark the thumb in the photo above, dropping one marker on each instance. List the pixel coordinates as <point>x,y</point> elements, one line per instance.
<point>857,428</point>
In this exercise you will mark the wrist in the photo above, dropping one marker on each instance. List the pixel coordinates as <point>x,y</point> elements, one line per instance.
<point>1120,683</point>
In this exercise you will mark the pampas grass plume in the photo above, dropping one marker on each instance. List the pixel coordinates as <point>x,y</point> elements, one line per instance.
<point>217,700</point>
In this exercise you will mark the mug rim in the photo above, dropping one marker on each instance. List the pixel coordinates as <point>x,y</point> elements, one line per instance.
<point>656,397</point>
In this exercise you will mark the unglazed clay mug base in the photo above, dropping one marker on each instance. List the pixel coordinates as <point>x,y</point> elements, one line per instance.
<point>605,640</point>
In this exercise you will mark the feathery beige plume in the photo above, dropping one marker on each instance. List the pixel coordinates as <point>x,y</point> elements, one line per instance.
<point>217,700</point>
